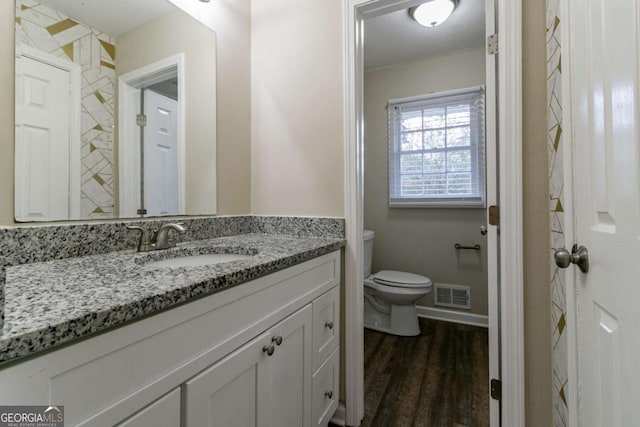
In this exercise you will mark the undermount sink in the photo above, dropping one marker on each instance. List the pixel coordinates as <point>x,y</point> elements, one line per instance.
<point>197,260</point>
<point>197,256</point>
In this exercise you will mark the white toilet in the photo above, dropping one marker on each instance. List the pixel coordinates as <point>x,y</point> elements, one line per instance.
<point>390,296</point>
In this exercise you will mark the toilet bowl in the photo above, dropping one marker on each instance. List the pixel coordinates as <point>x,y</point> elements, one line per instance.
<point>390,297</point>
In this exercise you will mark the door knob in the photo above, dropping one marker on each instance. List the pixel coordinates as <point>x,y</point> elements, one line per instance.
<point>483,230</point>
<point>579,256</point>
<point>328,325</point>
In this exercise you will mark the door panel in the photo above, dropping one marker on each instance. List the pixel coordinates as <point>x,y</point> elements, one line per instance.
<point>603,49</point>
<point>43,108</point>
<point>161,155</point>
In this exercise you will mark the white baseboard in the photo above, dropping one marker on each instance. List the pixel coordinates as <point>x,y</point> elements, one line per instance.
<point>453,316</point>
<point>339,417</point>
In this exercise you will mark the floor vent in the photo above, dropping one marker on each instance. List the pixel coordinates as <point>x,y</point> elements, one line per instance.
<point>455,296</point>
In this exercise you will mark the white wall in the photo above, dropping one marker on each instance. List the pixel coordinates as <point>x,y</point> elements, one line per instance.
<point>297,107</point>
<point>421,240</point>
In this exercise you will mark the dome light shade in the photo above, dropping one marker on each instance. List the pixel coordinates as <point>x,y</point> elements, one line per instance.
<point>432,13</point>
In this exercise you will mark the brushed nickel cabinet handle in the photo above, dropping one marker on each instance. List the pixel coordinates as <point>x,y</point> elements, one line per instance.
<point>269,349</point>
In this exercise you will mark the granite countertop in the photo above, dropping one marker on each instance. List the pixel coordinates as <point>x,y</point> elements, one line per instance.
<point>55,302</point>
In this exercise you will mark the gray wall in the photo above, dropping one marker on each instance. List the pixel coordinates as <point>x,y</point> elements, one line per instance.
<point>421,240</point>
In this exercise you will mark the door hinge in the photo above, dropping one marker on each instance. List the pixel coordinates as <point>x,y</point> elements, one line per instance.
<point>492,44</point>
<point>141,211</point>
<point>494,215</point>
<point>141,119</point>
<point>496,389</point>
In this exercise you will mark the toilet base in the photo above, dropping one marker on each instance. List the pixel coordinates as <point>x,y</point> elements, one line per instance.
<point>402,320</point>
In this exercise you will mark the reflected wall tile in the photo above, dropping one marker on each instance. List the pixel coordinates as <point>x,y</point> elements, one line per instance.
<point>45,29</point>
<point>71,35</point>
<point>556,207</point>
<point>38,37</point>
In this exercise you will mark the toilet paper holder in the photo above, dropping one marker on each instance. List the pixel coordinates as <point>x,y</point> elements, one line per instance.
<point>475,247</point>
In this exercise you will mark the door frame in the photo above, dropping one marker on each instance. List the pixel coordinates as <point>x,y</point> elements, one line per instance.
<point>129,85</point>
<point>510,324</point>
<point>75,107</point>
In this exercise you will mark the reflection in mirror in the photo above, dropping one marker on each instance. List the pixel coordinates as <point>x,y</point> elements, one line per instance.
<point>115,110</point>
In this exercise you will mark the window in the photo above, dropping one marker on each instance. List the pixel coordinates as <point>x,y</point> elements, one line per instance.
<point>436,150</point>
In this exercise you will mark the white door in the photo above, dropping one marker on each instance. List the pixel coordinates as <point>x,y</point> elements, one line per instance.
<point>161,155</point>
<point>604,106</point>
<point>43,107</point>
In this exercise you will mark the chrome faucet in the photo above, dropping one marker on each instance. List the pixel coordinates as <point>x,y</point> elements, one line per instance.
<point>158,239</point>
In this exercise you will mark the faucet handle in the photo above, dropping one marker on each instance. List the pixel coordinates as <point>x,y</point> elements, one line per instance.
<point>144,244</point>
<point>172,238</point>
<point>163,239</point>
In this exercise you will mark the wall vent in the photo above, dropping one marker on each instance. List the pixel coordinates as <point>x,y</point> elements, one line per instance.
<point>455,296</point>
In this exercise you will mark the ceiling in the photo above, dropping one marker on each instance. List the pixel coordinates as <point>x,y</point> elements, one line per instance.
<point>113,17</point>
<point>395,38</point>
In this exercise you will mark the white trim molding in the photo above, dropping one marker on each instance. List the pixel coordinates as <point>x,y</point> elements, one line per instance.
<point>511,226</point>
<point>354,218</point>
<point>453,316</point>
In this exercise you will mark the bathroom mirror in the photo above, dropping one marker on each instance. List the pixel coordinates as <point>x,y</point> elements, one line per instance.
<point>115,110</point>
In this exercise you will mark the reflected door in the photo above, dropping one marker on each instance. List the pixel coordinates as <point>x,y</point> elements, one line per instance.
<point>161,155</point>
<point>43,107</point>
<point>606,129</point>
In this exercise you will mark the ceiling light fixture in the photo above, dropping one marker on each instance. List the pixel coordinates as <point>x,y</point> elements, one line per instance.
<point>432,13</point>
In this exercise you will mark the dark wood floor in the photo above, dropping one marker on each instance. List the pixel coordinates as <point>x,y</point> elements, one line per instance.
<point>438,379</point>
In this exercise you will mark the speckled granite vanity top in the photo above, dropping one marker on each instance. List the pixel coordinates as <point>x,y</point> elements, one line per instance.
<point>55,302</point>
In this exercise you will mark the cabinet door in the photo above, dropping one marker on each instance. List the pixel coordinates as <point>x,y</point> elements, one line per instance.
<point>290,371</point>
<point>164,412</point>
<point>232,392</point>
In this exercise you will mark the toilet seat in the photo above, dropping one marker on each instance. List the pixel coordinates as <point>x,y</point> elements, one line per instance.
<point>401,279</point>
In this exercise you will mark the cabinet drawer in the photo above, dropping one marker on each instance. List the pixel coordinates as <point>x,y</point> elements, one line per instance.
<point>325,390</point>
<point>326,325</point>
<point>164,412</point>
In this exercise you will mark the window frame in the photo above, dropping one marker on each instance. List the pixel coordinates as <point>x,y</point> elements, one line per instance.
<point>477,147</point>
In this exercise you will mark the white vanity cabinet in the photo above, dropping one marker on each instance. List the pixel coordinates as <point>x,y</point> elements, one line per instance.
<point>260,384</point>
<point>264,353</point>
<point>165,412</point>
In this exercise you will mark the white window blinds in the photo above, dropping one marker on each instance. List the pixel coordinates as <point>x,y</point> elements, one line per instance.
<point>436,150</point>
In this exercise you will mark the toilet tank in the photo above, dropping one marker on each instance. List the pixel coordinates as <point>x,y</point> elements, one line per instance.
<point>368,251</point>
